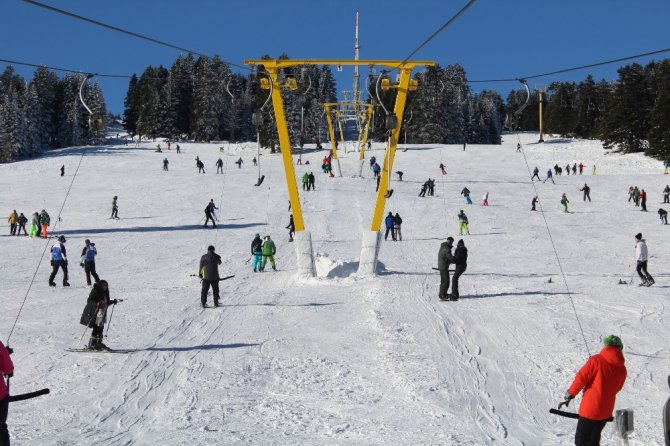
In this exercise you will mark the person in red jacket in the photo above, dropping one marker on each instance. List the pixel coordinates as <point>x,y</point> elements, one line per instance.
<point>6,369</point>
<point>601,378</point>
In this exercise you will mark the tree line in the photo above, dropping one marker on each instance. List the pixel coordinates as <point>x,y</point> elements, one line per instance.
<point>46,113</point>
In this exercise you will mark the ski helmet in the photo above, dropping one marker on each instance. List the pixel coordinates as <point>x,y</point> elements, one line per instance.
<point>613,341</point>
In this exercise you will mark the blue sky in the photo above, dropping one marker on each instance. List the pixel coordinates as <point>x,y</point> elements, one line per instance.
<point>494,39</point>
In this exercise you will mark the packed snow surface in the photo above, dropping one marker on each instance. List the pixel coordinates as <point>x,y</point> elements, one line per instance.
<point>337,359</point>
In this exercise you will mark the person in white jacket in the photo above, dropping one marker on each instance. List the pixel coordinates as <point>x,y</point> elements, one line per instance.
<point>642,255</point>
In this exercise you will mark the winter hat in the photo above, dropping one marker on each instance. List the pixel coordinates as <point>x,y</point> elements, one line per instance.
<point>258,235</point>
<point>210,248</point>
<point>87,241</point>
<point>450,239</point>
<point>613,341</point>
<point>61,239</point>
<point>460,243</point>
<point>638,236</point>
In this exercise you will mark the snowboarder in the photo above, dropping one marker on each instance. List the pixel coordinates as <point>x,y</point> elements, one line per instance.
<point>165,164</point>
<point>601,378</point>
<point>587,191</point>
<point>443,168</point>
<point>22,224</point>
<point>466,195</point>
<point>666,194</point>
<point>45,221</point>
<point>463,223</point>
<point>219,166</point>
<point>35,225</point>
<point>485,199</point>
<point>58,260</point>
<point>305,181</point>
<point>310,182</point>
<point>290,227</point>
<point>389,222</point>
<point>444,259</point>
<point>256,252</point>
<point>663,215</point>
<point>95,314</point>
<point>62,170</point>
<point>642,256</point>
<point>643,200</point>
<point>13,219</point>
<point>550,176</point>
<point>115,208</point>
<point>239,163</point>
<point>209,273</point>
<point>400,174</point>
<point>210,214</point>
<point>534,202</point>
<point>6,369</point>
<point>397,223</point>
<point>564,202</point>
<point>461,261</point>
<point>269,251</point>
<point>536,174</point>
<point>88,261</point>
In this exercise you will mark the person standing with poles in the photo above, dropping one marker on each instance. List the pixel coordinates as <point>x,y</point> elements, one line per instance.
<point>88,261</point>
<point>6,369</point>
<point>601,378</point>
<point>219,166</point>
<point>95,314</point>
<point>209,273</point>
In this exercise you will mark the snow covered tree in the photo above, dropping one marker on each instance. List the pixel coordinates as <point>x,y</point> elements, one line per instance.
<point>131,110</point>
<point>659,131</point>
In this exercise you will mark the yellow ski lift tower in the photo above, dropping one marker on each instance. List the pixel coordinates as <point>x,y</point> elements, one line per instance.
<point>405,83</point>
<point>336,108</point>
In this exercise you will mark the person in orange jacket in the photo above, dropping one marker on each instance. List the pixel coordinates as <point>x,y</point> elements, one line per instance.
<point>601,378</point>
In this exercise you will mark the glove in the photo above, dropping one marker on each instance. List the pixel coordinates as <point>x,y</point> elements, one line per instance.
<point>9,375</point>
<point>114,302</point>
<point>566,400</point>
<point>10,350</point>
<point>81,264</point>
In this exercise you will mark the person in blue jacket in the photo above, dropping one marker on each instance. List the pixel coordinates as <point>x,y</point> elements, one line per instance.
<point>550,176</point>
<point>58,260</point>
<point>376,169</point>
<point>88,261</point>
<point>389,221</point>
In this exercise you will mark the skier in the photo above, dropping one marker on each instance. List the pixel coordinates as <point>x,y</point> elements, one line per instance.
<point>463,223</point>
<point>88,261</point>
<point>444,259</point>
<point>443,168</point>
<point>35,225</point>
<point>256,161</point>
<point>158,148</point>
<point>536,174</point>
<point>219,166</point>
<point>45,221</point>
<point>256,252</point>
<point>201,166</point>
<point>643,200</point>
<point>239,163</point>
<point>389,222</point>
<point>291,228</point>
<point>518,147</point>
<point>431,187</point>
<point>567,168</point>
<point>376,170</point>
<point>400,174</point>
<point>165,164</point>
<point>556,169</point>
<point>424,189</point>
<point>533,202</point>
<point>397,223</point>
<point>636,196</point>
<point>601,378</point>
<point>305,181</point>
<point>631,193</point>
<point>466,195</point>
<point>269,251</point>
<point>95,314</point>
<point>461,261</point>
<point>178,149</point>
<point>485,199</point>
<point>663,215</point>
<point>59,260</point>
<point>209,273</point>
<point>549,177</point>
<point>22,224</point>
<point>310,182</point>
<point>373,160</point>
<point>666,194</point>
<point>574,169</point>
<point>564,202</point>
<point>587,191</point>
<point>593,169</point>
<point>6,369</point>
<point>641,256</point>
<point>115,208</point>
<point>13,219</point>
<point>210,214</point>
<point>62,170</point>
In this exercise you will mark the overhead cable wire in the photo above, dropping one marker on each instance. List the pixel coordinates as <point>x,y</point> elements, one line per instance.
<point>582,67</point>
<point>124,31</point>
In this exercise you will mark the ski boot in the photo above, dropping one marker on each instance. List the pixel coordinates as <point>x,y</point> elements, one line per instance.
<point>644,282</point>
<point>52,284</point>
<point>217,303</point>
<point>66,284</point>
<point>650,281</point>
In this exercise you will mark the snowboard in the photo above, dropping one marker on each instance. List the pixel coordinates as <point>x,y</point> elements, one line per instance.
<point>88,350</point>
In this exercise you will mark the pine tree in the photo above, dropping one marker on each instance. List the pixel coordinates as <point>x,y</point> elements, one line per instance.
<point>131,110</point>
<point>659,131</point>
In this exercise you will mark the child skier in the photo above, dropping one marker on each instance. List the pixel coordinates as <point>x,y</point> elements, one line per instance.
<point>463,223</point>
<point>564,202</point>
<point>466,195</point>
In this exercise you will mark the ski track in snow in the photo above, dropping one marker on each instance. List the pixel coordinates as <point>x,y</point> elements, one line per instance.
<point>336,359</point>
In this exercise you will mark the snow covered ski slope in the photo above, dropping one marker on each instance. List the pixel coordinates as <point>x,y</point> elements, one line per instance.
<point>338,359</point>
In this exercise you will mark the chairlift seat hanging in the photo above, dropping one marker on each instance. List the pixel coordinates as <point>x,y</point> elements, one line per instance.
<point>257,119</point>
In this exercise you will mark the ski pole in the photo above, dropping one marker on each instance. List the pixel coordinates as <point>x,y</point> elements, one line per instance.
<point>110,320</point>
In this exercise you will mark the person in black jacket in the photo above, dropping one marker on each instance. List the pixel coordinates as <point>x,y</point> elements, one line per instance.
<point>444,259</point>
<point>397,223</point>
<point>290,227</point>
<point>461,261</point>
<point>22,224</point>
<point>257,252</point>
<point>587,192</point>
<point>210,214</point>
<point>209,273</point>
<point>95,314</point>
